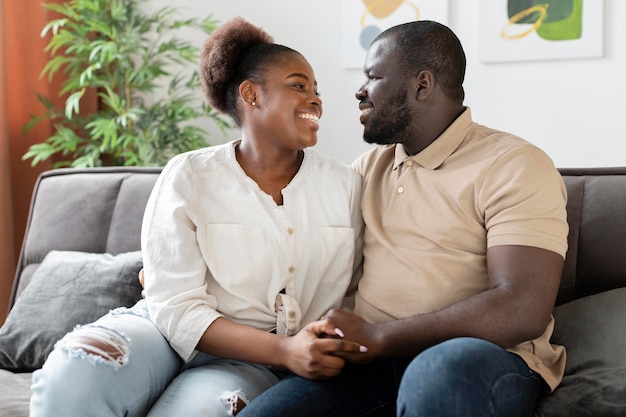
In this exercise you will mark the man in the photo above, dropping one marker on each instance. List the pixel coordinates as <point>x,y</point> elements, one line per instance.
<point>465,238</point>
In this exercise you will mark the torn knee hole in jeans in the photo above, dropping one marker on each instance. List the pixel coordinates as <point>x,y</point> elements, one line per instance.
<point>99,344</point>
<point>234,400</point>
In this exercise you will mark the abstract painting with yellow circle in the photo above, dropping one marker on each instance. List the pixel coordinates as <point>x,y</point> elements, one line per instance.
<point>554,20</point>
<point>363,20</point>
<point>540,29</point>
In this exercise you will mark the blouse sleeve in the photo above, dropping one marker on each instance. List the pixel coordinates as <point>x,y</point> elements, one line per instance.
<point>358,225</point>
<point>174,268</point>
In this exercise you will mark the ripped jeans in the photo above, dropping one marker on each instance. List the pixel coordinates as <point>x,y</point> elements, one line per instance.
<point>136,373</point>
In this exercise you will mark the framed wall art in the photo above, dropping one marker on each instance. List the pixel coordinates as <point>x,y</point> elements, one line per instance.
<point>363,20</point>
<point>523,30</point>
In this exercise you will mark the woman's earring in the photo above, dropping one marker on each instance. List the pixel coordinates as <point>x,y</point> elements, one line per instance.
<point>253,103</point>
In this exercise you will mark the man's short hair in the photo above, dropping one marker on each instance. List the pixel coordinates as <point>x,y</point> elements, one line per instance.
<point>428,45</point>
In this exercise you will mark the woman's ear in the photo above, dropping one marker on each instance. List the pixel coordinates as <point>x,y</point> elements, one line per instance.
<point>247,92</point>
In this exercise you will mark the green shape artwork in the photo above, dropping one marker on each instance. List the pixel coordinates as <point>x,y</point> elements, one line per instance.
<point>567,28</point>
<point>553,20</point>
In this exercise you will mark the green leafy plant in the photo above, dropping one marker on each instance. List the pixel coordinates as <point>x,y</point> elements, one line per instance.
<point>139,69</point>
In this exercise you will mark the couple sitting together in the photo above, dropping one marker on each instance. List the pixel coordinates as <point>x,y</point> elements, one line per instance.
<point>419,281</point>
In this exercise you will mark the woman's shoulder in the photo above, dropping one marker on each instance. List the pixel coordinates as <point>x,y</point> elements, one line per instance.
<point>327,162</point>
<point>202,159</point>
<point>329,170</point>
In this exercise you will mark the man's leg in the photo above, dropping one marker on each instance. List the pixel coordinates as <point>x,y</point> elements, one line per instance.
<point>468,377</point>
<point>360,390</point>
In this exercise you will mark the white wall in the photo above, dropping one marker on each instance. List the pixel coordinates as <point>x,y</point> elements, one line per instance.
<point>570,108</point>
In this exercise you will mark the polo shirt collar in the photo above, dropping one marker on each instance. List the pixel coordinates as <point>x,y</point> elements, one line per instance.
<point>441,148</point>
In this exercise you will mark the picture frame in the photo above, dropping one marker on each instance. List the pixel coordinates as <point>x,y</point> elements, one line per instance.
<point>527,30</point>
<point>363,20</point>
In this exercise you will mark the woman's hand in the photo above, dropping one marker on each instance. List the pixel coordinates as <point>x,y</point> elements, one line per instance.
<point>142,280</point>
<point>312,352</point>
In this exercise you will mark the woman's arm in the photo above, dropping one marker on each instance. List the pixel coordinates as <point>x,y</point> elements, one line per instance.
<point>306,354</point>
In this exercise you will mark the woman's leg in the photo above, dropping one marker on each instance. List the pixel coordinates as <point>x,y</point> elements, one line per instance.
<point>468,377</point>
<point>213,387</point>
<point>116,366</point>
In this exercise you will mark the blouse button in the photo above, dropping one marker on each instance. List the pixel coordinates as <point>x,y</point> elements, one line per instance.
<point>290,230</point>
<point>292,314</point>
<point>400,190</point>
<point>292,269</point>
<point>409,163</point>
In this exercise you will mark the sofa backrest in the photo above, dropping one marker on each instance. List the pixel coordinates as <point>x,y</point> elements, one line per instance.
<point>100,210</point>
<point>95,210</point>
<point>596,214</point>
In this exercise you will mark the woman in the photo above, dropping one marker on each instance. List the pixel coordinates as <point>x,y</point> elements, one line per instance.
<point>245,246</point>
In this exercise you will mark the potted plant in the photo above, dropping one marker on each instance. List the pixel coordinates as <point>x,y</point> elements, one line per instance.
<point>140,71</point>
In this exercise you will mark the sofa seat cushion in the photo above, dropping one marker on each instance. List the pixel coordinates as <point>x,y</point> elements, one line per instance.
<point>68,288</point>
<point>593,330</point>
<point>14,394</point>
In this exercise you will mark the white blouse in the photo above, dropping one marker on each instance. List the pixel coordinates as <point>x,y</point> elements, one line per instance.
<point>214,244</point>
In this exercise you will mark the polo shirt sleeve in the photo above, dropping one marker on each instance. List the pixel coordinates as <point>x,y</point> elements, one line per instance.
<point>524,200</point>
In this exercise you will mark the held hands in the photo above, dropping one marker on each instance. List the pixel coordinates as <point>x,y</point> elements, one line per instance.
<point>357,329</point>
<point>313,352</point>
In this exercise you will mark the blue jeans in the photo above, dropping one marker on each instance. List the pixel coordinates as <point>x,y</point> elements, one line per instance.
<point>147,379</point>
<point>460,377</point>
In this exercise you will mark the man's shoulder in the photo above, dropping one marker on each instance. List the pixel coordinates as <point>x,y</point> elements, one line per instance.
<point>506,139</point>
<point>493,144</point>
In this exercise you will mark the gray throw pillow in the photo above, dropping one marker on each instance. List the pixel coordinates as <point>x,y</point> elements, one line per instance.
<point>593,330</point>
<point>67,289</point>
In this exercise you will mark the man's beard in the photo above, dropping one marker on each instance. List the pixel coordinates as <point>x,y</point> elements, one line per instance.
<point>391,125</point>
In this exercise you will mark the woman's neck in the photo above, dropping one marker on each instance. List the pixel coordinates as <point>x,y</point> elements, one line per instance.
<point>271,169</point>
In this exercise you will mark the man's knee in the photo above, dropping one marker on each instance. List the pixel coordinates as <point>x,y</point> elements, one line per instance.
<point>449,363</point>
<point>445,379</point>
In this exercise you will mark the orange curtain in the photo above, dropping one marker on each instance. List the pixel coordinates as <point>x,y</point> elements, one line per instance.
<point>22,57</point>
<point>7,256</point>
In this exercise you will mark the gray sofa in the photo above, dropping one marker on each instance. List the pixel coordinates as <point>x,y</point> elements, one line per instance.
<point>78,215</point>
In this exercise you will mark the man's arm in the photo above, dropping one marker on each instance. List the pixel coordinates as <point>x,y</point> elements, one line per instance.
<point>523,283</point>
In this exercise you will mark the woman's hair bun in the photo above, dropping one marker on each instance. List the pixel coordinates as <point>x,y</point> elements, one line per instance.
<point>219,55</point>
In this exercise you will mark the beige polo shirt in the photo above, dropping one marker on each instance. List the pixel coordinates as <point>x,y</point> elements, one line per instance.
<point>431,217</point>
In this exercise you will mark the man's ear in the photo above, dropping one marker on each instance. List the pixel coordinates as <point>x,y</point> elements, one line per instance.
<point>424,84</point>
<point>247,92</point>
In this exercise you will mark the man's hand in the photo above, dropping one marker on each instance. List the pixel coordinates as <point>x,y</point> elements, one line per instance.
<point>314,352</point>
<point>357,330</point>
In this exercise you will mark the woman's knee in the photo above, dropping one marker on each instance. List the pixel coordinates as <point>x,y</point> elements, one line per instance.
<point>108,343</point>
<point>120,364</point>
<point>97,345</point>
<point>77,362</point>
